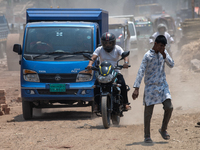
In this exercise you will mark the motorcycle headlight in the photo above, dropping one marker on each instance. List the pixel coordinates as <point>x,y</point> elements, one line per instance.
<point>30,76</point>
<point>84,76</point>
<point>105,79</point>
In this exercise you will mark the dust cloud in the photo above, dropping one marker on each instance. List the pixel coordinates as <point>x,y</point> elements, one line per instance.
<point>183,83</point>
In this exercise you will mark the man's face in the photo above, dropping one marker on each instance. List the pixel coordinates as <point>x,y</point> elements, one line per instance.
<point>159,47</point>
<point>162,30</point>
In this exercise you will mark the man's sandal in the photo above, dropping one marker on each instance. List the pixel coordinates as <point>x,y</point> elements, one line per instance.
<point>164,134</point>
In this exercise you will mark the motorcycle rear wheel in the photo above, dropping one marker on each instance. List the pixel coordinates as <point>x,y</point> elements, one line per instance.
<point>105,110</point>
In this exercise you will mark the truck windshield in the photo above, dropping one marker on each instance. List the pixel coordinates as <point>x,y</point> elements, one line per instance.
<point>144,29</point>
<point>117,31</point>
<point>55,39</point>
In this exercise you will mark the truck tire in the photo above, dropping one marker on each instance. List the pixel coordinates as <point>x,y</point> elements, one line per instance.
<point>12,57</point>
<point>105,110</point>
<point>27,108</point>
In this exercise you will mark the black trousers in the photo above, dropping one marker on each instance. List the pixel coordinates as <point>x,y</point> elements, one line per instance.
<point>148,111</point>
<point>123,90</point>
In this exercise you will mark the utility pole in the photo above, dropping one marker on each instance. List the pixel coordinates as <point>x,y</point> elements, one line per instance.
<point>193,1</point>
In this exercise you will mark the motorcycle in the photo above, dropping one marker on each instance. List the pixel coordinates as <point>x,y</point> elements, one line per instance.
<point>111,104</point>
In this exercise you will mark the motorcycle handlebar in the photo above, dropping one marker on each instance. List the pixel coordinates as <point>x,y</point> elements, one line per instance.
<point>121,66</point>
<point>117,67</point>
<point>93,68</point>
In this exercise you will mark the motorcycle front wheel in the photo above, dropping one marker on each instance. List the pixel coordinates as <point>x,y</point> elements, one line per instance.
<point>105,111</point>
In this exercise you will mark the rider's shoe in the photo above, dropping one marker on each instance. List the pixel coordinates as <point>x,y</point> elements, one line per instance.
<point>96,109</point>
<point>127,107</point>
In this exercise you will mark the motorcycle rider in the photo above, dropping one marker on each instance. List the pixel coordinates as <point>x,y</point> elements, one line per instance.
<point>111,52</point>
<point>162,30</point>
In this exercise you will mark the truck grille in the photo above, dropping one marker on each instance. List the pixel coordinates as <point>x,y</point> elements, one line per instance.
<point>47,92</point>
<point>57,78</point>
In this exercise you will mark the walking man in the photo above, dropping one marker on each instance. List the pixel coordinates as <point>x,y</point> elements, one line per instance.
<point>156,87</point>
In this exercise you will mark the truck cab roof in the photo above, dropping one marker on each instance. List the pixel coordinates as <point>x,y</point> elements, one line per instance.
<point>118,22</point>
<point>61,23</point>
<point>61,14</point>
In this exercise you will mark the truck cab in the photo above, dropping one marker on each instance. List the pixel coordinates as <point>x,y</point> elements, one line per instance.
<point>53,70</point>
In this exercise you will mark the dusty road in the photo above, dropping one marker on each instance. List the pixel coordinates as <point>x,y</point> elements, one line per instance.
<point>76,129</point>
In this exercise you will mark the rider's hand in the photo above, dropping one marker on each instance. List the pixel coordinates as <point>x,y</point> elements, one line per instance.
<point>162,51</point>
<point>125,65</point>
<point>135,93</point>
<point>89,67</point>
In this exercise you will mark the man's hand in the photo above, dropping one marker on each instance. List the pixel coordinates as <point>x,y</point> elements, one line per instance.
<point>125,65</point>
<point>135,93</point>
<point>162,51</point>
<point>89,67</point>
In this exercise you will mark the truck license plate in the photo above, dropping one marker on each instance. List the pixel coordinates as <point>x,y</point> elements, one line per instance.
<point>57,88</point>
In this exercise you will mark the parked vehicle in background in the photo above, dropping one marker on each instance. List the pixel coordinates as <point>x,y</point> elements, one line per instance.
<point>154,11</point>
<point>144,28</point>
<point>132,40</point>
<point>148,9</point>
<point>119,27</point>
<point>52,66</point>
<point>4,31</point>
<point>132,30</point>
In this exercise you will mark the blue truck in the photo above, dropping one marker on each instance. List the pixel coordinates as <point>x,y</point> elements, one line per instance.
<point>53,70</point>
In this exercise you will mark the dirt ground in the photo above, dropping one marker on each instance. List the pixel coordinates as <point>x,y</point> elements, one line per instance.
<point>76,129</point>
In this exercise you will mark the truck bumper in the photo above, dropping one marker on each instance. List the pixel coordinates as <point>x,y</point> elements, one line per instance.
<point>36,94</point>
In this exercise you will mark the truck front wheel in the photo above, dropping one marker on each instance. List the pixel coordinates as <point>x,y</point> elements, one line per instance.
<point>27,108</point>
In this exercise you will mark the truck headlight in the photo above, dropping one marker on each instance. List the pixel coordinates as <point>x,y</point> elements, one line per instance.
<point>105,79</point>
<point>30,76</point>
<point>84,76</point>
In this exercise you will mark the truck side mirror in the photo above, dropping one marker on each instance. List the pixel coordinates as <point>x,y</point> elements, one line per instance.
<point>17,49</point>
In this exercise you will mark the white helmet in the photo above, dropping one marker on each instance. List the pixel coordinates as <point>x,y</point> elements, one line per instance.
<point>161,26</point>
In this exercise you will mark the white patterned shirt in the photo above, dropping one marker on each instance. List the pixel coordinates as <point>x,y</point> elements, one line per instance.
<point>153,67</point>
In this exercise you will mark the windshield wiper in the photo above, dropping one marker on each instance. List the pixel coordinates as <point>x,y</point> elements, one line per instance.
<point>50,53</point>
<point>80,52</point>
